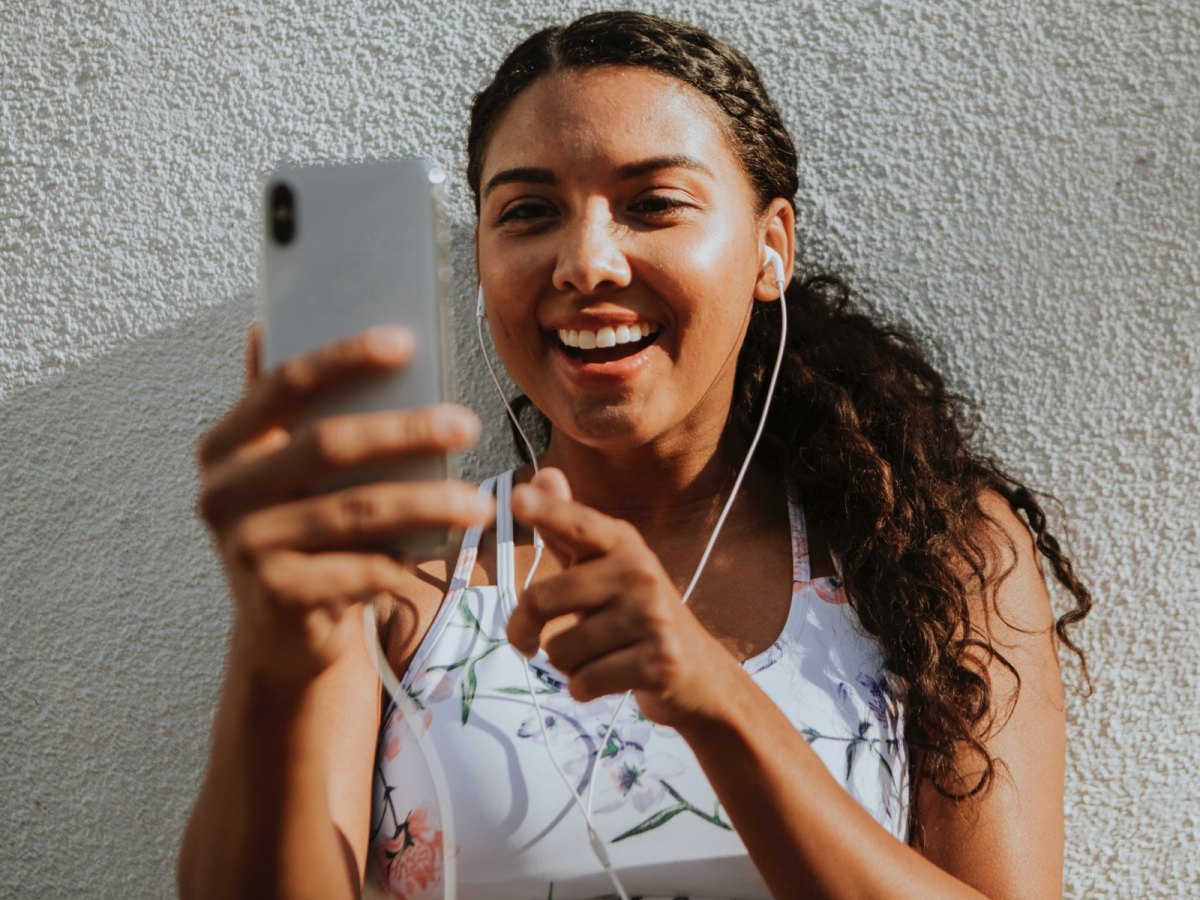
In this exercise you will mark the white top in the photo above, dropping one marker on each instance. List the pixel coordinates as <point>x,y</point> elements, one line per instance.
<point>518,833</point>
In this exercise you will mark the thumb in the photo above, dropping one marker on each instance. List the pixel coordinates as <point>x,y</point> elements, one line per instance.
<point>553,482</point>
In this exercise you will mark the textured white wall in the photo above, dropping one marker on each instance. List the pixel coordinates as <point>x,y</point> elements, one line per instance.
<point>1017,181</point>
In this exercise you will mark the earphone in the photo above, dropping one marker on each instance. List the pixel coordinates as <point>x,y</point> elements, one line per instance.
<point>407,709</point>
<point>775,261</point>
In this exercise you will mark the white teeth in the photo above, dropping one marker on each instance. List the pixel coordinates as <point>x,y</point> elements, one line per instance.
<point>605,337</point>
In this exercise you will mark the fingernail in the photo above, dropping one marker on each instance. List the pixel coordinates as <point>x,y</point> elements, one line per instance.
<point>390,339</point>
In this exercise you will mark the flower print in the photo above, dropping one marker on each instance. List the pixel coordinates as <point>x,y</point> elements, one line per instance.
<point>392,750</point>
<point>630,776</point>
<point>799,541</point>
<point>398,728</point>
<point>768,657</point>
<point>551,719</point>
<point>882,700</point>
<point>829,590</point>
<point>411,859</point>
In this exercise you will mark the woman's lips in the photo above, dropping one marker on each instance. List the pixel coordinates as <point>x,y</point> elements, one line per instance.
<point>610,362</point>
<point>607,336</point>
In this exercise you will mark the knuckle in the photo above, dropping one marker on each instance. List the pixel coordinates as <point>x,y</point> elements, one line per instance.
<point>294,378</point>
<point>422,428</point>
<point>630,533</point>
<point>661,671</point>
<point>646,618</point>
<point>640,572</point>
<point>328,441</point>
<point>242,543</point>
<point>363,509</point>
<point>274,580</point>
<point>460,502</point>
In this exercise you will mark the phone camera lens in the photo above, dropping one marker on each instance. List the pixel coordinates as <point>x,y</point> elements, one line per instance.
<point>282,214</point>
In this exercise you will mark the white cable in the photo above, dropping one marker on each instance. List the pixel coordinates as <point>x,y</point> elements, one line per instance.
<point>597,843</point>
<point>412,717</point>
<point>409,712</point>
<point>780,282</point>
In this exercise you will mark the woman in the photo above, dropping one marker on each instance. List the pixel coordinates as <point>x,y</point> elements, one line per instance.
<point>861,697</point>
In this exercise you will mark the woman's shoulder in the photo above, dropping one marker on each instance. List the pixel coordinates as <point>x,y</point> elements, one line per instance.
<point>1015,605</point>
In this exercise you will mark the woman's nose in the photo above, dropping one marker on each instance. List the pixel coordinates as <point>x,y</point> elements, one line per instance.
<point>590,257</point>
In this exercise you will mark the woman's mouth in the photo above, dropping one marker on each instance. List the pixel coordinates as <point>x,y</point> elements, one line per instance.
<point>608,344</point>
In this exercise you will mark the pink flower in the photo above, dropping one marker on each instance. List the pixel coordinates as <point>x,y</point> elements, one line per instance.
<point>412,859</point>
<point>830,591</point>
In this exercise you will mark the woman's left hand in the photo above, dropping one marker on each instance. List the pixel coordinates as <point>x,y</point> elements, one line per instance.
<point>632,631</point>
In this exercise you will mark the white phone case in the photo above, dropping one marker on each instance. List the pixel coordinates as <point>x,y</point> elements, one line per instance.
<point>355,246</point>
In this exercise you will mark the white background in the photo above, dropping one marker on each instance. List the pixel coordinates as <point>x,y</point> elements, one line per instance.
<point>1016,181</point>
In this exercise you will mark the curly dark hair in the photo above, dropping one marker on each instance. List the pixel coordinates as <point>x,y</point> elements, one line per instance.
<point>881,452</point>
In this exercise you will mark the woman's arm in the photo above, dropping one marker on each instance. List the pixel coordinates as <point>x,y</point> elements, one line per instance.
<point>806,834</point>
<point>285,806</point>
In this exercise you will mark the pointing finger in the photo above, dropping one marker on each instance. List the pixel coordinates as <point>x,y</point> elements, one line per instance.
<point>573,532</point>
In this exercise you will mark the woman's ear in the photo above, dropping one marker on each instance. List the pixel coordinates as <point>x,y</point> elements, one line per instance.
<point>777,231</point>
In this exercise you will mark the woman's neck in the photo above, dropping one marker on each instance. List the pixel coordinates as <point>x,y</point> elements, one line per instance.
<point>664,494</point>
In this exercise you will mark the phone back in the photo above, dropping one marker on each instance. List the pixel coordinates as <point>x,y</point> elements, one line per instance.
<point>347,247</point>
<point>364,249</point>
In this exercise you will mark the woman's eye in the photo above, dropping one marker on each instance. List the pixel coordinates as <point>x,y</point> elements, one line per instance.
<point>657,205</point>
<point>525,212</point>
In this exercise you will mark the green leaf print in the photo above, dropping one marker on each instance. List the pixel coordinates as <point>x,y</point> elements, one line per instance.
<point>471,682</point>
<point>660,818</point>
<point>663,816</point>
<point>468,691</point>
<point>851,752</point>
<point>464,610</point>
<point>714,819</point>
<point>524,692</point>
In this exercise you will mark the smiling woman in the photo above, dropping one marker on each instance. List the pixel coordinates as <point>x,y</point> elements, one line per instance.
<point>870,646</point>
<point>630,209</point>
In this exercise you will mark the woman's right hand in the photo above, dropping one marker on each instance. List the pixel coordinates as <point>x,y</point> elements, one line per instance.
<point>299,563</point>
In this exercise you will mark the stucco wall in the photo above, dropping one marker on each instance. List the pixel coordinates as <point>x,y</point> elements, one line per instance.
<point>1017,181</point>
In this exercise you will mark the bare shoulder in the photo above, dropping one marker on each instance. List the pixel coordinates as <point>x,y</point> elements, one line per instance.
<point>1020,603</point>
<point>405,616</point>
<point>1008,841</point>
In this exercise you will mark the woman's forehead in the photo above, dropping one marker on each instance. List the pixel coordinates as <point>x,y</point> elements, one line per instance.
<point>605,118</point>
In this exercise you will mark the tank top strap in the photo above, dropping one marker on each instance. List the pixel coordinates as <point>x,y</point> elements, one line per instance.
<point>505,541</point>
<point>801,569</point>
<point>468,553</point>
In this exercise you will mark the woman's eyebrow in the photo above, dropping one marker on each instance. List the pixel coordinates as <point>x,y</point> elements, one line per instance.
<point>526,175</point>
<point>679,161</point>
<point>531,175</point>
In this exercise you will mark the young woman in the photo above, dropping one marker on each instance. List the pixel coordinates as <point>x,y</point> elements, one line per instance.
<point>861,697</point>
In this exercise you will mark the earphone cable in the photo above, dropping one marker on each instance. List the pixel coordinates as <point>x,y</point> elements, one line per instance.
<point>780,282</point>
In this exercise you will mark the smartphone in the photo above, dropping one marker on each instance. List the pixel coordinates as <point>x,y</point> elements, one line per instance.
<point>347,247</point>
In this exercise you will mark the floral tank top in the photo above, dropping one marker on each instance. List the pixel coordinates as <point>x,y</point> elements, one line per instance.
<point>516,831</point>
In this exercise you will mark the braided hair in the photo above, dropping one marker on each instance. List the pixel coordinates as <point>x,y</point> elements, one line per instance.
<point>881,451</point>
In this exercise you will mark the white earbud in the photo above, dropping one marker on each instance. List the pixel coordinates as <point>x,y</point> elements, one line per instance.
<point>480,312</point>
<point>776,263</point>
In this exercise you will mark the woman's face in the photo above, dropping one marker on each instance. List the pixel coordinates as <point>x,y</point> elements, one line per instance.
<point>620,247</point>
